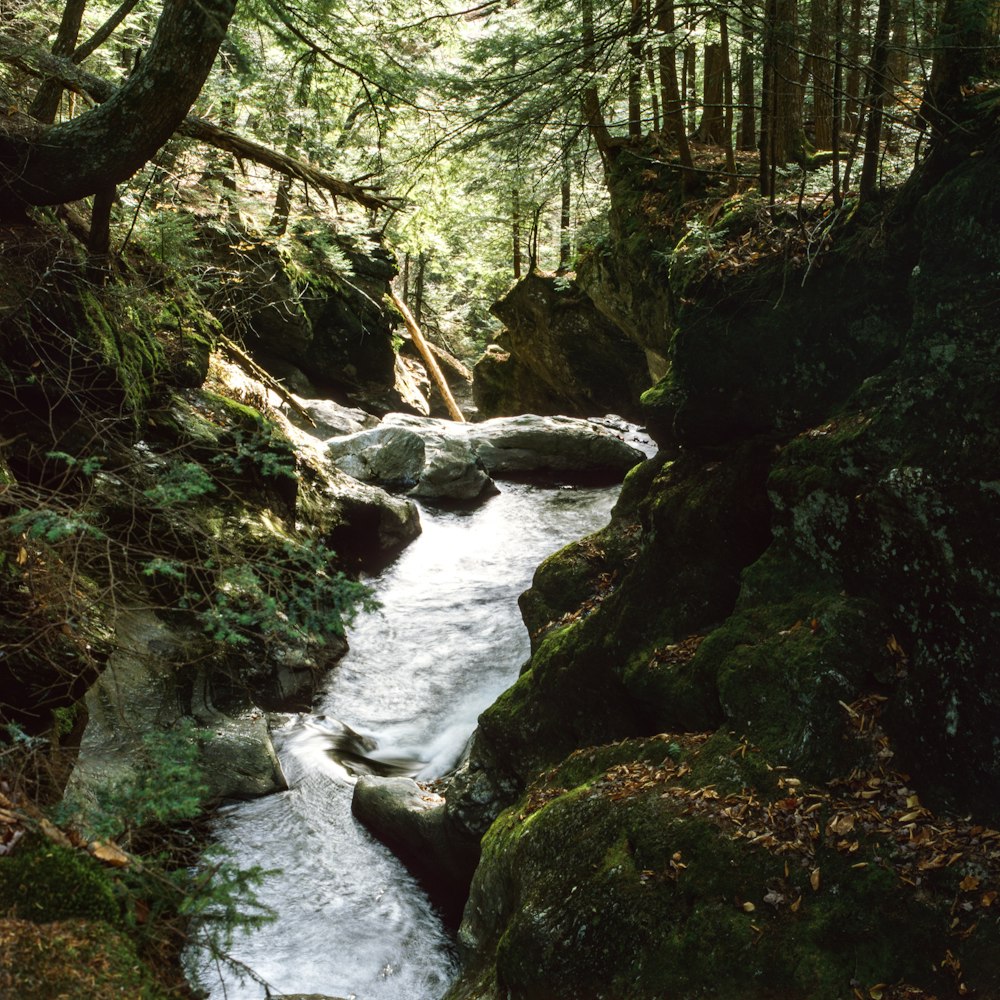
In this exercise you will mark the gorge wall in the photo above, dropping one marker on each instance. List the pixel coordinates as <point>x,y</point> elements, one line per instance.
<point>755,751</point>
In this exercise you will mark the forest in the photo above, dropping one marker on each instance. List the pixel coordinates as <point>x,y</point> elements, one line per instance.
<point>499,501</point>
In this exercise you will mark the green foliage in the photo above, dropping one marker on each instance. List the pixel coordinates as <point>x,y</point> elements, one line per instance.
<point>166,786</point>
<point>219,898</point>
<point>264,449</point>
<point>87,466</point>
<point>51,526</point>
<point>180,483</point>
<point>158,566</point>
<point>694,255</point>
<point>168,234</point>
<point>293,595</point>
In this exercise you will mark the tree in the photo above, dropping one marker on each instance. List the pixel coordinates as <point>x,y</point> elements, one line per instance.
<point>49,165</point>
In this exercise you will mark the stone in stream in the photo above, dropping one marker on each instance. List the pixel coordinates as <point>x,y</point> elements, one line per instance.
<point>413,823</point>
<point>440,459</point>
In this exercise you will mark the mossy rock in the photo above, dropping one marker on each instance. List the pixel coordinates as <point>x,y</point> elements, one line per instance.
<point>72,958</point>
<point>606,881</point>
<point>582,571</point>
<point>189,333</point>
<point>775,349</point>
<point>42,882</point>
<point>123,344</point>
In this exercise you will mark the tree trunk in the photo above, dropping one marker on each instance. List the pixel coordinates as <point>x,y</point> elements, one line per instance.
<point>673,108</point>
<point>418,289</point>
<point>592,114</point>
<point>654,92</point>
<point>748,126</point>
<point>109,143</point>
<point>727,78</point>
<point>565,207</point>
<point>635,47</point>
<point>283,196</point>
<point>430,362</point>
<point>899,59</point>
<point>852,92</point>
<point>41,63</point>
<point>819,67</point>
<point>689,88</point>
<point>877,82</point>
<point>103,33</point>
<point>838,84</point>
<point>46,103</point>
<point>964,48</point>
<point>712,116</point>
<point>515,218</point>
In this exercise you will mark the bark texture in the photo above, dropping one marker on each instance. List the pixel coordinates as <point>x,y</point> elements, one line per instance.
<point>108,144</point>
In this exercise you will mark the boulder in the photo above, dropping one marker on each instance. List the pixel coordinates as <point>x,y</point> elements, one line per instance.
<point>440,459</point>
<point>413,822</point>
<point>156,679</point>
<point>316,305</point>
<point>558,354</point>
<point>330,419</point>
<point>556,445</point>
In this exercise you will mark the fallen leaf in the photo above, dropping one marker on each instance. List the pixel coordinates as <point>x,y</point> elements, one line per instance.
<point>840,824</point>
<point>969,883</point>
<point>749,907</point>
<point>110,853</point>
<point>814,879</point>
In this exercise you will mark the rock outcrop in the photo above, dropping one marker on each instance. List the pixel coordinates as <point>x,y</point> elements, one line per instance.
<point>558,355</point>
<point>318,305</point>
<point>758,698</point>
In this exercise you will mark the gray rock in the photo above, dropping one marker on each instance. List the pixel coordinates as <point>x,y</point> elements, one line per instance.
<point>556,445</point>
<point>436,459</point>
<point>388,456</point>
<point>145,688</point>
<point>413,822</point>
<point>330,418</point>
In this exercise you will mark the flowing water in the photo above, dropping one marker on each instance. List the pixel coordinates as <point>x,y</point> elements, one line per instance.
<point>352,922</point>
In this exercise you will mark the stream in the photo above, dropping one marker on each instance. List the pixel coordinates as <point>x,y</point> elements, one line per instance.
<point>351,920</point>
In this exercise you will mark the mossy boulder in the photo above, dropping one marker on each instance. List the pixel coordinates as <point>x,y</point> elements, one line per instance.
<point>742,365</point>
<point>44,882</point>
<point>315,301</point>
<point>621,874</point>
<point>72,958</point>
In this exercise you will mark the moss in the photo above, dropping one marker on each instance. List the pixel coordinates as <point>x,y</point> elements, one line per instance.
<point>71,958</point>
<point>231,413</point>
<point>190,333</point>
<point>615,889</point>
<point>124,344</point>
<point>659,407</point>
<point>44,882</point>
<point>782,672</point>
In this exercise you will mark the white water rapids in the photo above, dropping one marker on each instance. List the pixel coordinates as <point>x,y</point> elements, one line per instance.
<point>351,921</point>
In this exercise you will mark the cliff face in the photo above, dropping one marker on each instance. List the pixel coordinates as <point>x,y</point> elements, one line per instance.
<point>759,698</point>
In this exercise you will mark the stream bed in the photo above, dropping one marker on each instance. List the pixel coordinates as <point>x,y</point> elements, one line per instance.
<point>351,920</point>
